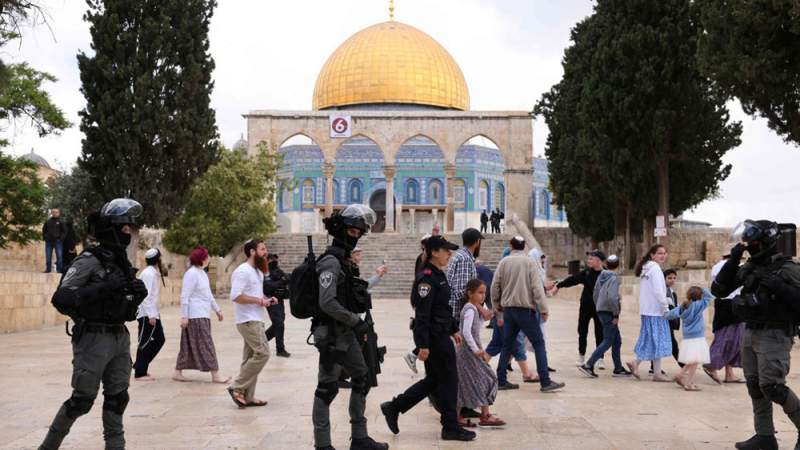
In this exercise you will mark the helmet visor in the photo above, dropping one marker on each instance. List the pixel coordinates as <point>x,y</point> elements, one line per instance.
<point>122,211</point>
<point>357,214</point>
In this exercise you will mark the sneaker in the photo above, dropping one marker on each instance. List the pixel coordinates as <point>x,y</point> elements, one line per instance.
<point>552,387</point>
<point>469,413</point>
<point>459,434</point>
<point>600,364</point>
<point>581,360</point>
<point>390,413</point>
<point>588,371</point>
<point>368,443</point>
<point>411,360</point>
<point>758,442</point>
<point>507,387</point>
<point>283,354</point>
<point>621,373</point>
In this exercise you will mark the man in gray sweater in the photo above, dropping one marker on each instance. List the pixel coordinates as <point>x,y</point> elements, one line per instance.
<point>607,303</point>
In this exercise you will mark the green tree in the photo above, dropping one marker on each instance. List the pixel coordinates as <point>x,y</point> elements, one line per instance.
<point>231,202</point>
<point>150,130</point>
<point>22,98</point>
<point>751,49</point>
<point>21,202</point>
<point>75,196</point>
<point>635,115</point>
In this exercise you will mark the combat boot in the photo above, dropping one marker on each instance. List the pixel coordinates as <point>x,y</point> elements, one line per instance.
<point>459,434</point>
<point>368,443</point>
<point>758,442</point>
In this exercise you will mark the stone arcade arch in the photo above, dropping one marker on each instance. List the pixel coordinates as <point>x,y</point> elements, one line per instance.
<point>511,131</point>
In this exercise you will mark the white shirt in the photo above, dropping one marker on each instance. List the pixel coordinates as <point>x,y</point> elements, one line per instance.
<point>652,291</point>
<point>149,306</point>
<point>247,280</point>
<point>197,301</point>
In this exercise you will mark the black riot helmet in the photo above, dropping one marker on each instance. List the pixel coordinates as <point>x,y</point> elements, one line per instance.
<point>761,237</point>
<point>355,216</point>
<point>107,224</point>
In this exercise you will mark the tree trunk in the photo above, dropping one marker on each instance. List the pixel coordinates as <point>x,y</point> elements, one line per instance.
<point>663,196</point>
<point>627,246</point>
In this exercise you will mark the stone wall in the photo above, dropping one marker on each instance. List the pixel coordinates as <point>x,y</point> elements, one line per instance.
<point>703,244</point>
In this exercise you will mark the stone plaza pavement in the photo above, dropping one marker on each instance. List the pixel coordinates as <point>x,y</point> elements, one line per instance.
<point>604,413</point>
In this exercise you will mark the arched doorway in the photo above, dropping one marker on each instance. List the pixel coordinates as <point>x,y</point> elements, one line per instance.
<point>378,204</point>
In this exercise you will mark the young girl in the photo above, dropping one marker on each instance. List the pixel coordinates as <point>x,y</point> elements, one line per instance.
<point>694,348</point>
<point>477,382</point>
<point>654,342</point>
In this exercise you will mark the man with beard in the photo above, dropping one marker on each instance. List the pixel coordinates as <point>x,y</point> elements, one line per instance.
<point>100,293</point>
<point>249,300</point>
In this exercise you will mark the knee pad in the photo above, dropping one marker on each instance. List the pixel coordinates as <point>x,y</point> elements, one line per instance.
<point>327,392</point>
<point>776,392</point>
<point>754,389</point>
<point>360,385</point>
<point>78,406</point>
<point>116,403</point>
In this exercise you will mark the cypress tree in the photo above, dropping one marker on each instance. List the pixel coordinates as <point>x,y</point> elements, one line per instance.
<point>148,125</point>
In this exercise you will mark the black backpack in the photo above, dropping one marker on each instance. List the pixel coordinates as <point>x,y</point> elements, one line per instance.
<point>304,288</point>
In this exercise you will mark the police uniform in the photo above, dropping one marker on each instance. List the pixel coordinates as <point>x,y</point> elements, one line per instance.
<point>100,293</point>
<point>100,346</point>
<point>768,337</point>
<point>433,326</point>
<point>339,348</point>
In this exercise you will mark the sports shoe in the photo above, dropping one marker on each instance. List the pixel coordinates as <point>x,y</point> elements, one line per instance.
<point>552,387</point>
<point>411,360</point>
<point>368,443</point>
<point>588,371</point>
<point>621,373</point>
<point>507,387</point>
<point>459,434</point>
<point>581,360</point>
<point>283,354</point>
<point>758,442</point>
<point>391,413</point>
<point>600,364</point>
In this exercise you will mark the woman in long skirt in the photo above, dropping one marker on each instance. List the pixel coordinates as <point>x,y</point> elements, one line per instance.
<point>197,350</point>
<point>654,340</point>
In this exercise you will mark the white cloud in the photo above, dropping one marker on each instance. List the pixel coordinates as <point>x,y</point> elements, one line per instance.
<point>268,55</point>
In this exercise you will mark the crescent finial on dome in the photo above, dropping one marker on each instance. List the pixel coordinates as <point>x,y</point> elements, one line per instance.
<point>391,10</point>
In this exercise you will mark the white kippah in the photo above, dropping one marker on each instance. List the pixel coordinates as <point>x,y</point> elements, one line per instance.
<point>357,249</point>
<point>612,258</point>
<point>519,238</point>
<point>151,253</point>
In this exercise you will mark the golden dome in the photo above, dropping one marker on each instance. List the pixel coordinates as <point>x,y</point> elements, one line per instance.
<point>391,63</point>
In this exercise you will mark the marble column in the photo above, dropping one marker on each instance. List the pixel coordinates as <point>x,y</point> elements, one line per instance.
<point>411,212</point>
<point>328,170</point>
<point>389,173</point>
<point>450,173</point>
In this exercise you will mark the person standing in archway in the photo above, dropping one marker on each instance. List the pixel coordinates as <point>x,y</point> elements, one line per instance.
<point>484,221</point>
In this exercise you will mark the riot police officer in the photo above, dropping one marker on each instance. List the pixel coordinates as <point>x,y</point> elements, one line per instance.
<point>339,330</point>
<point>433,327</point>
<point>100,293</point>
<point>768,303</point>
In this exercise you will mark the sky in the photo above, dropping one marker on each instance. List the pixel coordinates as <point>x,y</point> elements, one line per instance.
<point>268,54</point>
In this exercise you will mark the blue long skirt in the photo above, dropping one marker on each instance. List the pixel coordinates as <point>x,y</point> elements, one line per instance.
<point>654,340</point>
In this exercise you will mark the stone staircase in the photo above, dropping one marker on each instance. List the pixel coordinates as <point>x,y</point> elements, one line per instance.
<point>399,251</point>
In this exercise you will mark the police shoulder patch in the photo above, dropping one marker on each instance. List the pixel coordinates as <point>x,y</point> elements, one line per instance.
<point>325,279</point>
<point>427,272</point>
<point>423,289</point>
<point>70,273</point>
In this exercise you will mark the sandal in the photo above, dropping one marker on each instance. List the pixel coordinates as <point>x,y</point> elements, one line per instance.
<point>491,422</point>
<point>255,402</point>
<point>661,379</point>
<point>237,397</point>
<point>466,423</point>
<point>679,379</point>
<point>221,380</point>
<point>712,375</point>
<point>181,378</point>
<point>735,381</point>
<point>634,370</point>
<point>530,380</point>
<point>693,387</point>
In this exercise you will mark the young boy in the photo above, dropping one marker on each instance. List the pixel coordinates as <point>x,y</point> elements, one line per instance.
<point>607,298</point>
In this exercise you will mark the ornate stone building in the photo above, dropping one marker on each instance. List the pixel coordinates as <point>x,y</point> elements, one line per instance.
<point>412,150</point>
